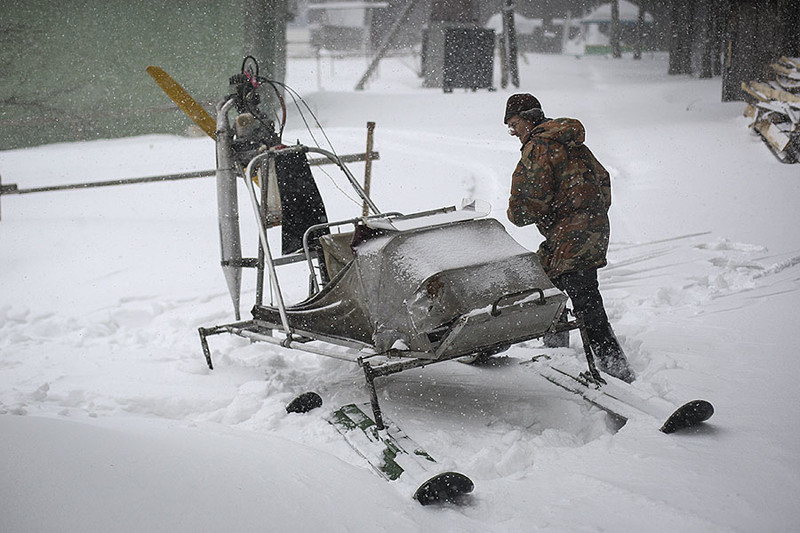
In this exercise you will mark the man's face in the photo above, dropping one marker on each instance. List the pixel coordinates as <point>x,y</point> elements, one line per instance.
<point>519,127</point>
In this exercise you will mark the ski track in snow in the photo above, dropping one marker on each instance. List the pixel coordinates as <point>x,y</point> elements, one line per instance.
<point>693,271</point>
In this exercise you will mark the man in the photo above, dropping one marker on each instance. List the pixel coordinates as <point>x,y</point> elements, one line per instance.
<point>560,187</point>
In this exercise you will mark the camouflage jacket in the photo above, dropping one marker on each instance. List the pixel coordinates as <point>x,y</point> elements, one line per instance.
<point>560,186</point>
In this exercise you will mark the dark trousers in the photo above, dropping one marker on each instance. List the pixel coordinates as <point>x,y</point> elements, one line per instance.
<point>584,291</point>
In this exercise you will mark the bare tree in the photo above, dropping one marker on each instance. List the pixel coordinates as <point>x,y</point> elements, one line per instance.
<point>616,50</point>
<point>758,32</point>
<point>680,42</point>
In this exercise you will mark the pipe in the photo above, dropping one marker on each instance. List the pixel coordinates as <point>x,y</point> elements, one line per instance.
<point>228,207</point>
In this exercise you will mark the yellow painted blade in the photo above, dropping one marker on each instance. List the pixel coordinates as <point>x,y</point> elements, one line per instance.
<point>184,101</point>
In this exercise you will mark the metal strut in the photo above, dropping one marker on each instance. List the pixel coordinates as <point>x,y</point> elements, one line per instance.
<point>216,330</point>
<point>593,372</point>
<point>577,323</point>
<point>373,394</point>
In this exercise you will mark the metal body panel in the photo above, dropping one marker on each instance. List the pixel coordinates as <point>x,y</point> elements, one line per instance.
<point>433,290</point>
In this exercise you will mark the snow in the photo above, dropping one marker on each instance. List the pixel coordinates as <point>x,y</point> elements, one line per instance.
<point>110,419</point>
<point>522,24</point>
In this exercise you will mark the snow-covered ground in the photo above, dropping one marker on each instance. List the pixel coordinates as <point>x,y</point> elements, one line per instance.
<point>110,420</point>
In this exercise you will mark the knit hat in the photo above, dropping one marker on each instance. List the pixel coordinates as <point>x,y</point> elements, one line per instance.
<point>523,104</point>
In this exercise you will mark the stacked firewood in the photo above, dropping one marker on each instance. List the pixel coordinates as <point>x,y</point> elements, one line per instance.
<point>774,108</point>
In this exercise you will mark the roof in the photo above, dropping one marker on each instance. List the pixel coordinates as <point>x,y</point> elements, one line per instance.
<point>628,13</point>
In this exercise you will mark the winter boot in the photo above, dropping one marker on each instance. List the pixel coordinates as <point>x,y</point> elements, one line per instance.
<point>609,358</point>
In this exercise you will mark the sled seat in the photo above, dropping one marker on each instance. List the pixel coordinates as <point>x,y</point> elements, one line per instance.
<point>337,251</point>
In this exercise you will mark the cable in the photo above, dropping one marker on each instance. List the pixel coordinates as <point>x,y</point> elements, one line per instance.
<point>294,93</point>
<point>283,107</point>
<point>295,97</point>
<point>250,98</point>
<point>250,72</point>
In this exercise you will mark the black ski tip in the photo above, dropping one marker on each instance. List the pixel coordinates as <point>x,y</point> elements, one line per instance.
<point>688,415</point>
<point>445,487</point>
<point>304,403</point>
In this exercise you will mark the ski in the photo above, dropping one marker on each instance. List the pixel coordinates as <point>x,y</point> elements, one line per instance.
<point>623,400</point>
<point>394,455</point>
<point>184,101</point>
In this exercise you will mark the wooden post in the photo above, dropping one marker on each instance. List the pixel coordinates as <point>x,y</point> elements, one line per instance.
<point>368,165</point>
